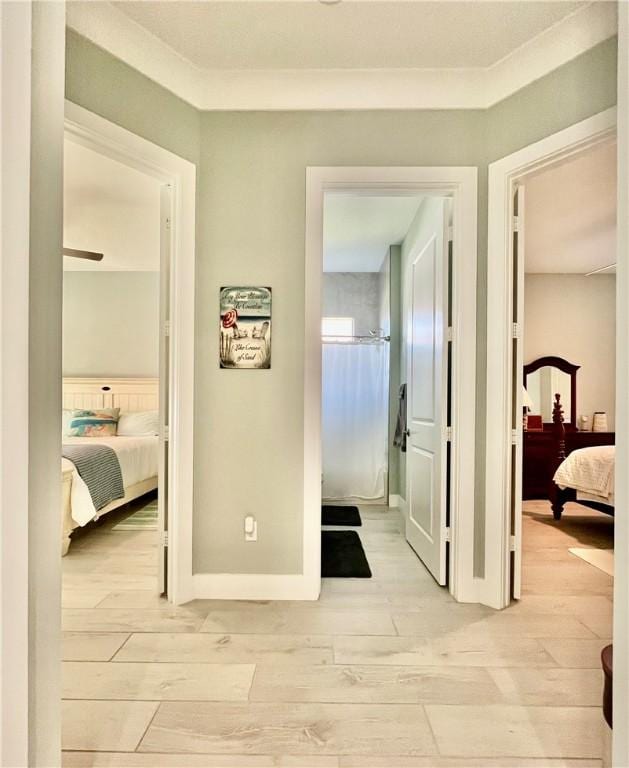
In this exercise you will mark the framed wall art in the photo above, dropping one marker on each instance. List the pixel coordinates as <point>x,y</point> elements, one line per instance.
<point>245,327</point>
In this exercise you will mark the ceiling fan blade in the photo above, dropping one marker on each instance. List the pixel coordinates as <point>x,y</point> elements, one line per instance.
<point>76,254</point>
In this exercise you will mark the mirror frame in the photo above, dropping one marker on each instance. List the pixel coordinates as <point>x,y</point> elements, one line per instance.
<point>563,365</point>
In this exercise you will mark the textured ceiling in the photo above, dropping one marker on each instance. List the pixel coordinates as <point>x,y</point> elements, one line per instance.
<point>379,34</point>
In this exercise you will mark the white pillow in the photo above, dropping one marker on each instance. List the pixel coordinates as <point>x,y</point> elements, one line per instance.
<point>66,418</point>
<point>138,424</point>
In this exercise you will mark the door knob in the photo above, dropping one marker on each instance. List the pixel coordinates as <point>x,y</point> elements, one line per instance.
<point>407,432</point>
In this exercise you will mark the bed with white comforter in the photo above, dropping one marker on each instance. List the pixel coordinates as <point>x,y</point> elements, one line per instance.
<point>139,462</point>
<point>590,472</point>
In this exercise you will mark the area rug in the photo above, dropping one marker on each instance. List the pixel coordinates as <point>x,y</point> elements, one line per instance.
<point>144,519</point>
<point>337,515</point>
<point>603,559</point>
<point>343,556</point>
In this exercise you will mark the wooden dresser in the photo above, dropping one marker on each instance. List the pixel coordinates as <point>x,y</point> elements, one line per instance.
<point>540,457</point>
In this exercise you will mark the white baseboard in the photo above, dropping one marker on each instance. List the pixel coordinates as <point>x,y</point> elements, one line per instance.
<point>395,500</point>
<point>254,586</point>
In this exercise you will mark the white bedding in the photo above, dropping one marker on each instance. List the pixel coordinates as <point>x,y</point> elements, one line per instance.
<point>138,457</point>
<point>590,471</point>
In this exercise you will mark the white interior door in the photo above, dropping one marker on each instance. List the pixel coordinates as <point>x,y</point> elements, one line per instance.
<point>427,389</point>
<point>164,385</point>
<point>517,261</point>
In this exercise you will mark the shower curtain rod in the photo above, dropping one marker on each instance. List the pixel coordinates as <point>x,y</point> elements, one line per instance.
<point>348,339</point>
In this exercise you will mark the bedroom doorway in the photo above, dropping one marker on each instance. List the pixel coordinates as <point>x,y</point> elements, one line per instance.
<point>517,464</point>
<point>130,229</point>
<point>564,252</point>
<point>116,261</point>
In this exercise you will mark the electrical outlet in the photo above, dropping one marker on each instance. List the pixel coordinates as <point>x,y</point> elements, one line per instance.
<point>251,528</point>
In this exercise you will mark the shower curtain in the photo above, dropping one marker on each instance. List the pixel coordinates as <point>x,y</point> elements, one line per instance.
<point>355,420</point>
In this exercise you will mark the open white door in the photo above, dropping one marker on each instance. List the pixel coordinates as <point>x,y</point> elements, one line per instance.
<point>427,389</point>
<point>517,262</point>
<point>164,385</point>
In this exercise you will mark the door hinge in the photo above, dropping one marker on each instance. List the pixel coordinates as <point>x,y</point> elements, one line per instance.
<point>449,335</point>
<point>515,438</point>
<point>164,538</point>
<point>446,535</point>
<point>516,224</point>
<point>166,432</point>
<point>448,434</point>
<point>450,234</point>
<point>167,328</point>
<point>168,223</point>
<point>511,543</point>
<point>515,330</point>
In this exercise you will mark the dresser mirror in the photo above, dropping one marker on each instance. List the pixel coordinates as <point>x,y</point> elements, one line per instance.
<point>545,377</point>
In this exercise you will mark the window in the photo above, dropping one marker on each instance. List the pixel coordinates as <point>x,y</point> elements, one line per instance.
<point>337,326</point>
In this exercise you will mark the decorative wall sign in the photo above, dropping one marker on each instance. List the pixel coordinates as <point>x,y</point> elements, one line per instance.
<point>245,327</point>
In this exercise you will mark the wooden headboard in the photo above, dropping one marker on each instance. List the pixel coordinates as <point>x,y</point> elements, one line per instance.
<point>126,394</point>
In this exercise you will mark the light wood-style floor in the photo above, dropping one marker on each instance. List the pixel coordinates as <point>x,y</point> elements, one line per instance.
<point>380,673</point>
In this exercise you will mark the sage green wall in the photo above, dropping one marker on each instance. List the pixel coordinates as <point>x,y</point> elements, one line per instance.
<point>249,439</point>
<point>571,93</point>
<point>110,323</point>
<point>251,209</point>
<point>114,90</point>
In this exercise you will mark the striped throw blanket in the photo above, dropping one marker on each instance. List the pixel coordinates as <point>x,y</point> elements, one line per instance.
<point>99,469</point>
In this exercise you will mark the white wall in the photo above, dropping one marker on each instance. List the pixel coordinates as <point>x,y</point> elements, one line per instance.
<point>353,294</point>
<point>573,316</point>
<point>110,323</point>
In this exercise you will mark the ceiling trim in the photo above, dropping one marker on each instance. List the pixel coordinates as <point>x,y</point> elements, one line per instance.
<point>329,89</point>
<point>112,30</point>
<point>557,45</point>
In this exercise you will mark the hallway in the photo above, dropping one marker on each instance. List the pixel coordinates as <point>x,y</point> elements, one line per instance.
<point>387,672</point>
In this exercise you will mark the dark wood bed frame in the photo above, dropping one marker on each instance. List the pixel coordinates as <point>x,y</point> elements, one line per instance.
<point>559,497</point>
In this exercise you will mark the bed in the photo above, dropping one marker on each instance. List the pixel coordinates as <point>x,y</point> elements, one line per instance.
<point>138,456</point>
<point>585,475</point>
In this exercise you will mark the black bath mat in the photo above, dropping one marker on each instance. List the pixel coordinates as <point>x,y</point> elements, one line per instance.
<point>331,515</point>
<point>343,556</point>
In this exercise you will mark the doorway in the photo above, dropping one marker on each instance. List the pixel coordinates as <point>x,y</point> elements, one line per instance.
<point>175,180</point>
<point>115,374</point>
<point>505,393</point>
<point>458,185</point>
<point>565,352</point>
<point>356,330</point>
